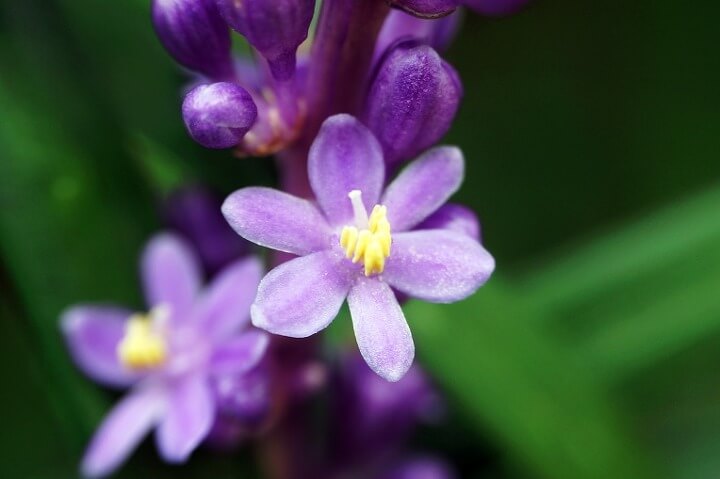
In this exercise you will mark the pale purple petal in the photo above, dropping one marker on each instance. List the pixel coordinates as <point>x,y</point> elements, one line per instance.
<point>453,217</point>
<point>423,186</point>
<point>190,414</point>
<point>302,296</point>
<point>224,306</point>
<point>345,156</point>
<point>239,354</point>
<point>381,331</point>
<point>92,334</point>
<point>277,220</point>
<point>437,265</point>
<point>171,274</point>
<point>122,430</point>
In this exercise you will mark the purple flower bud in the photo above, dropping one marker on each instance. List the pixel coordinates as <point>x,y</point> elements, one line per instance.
<point>412,100</point>
<point>193,32</point>
<point>218,115</point>
<point>426,8</point>
<point>244,397</point>
<point>495,7</point>
<point>274,27</point>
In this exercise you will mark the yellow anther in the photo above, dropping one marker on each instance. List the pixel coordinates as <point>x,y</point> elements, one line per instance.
<point>371,244</point>
<point>364,239</point>
<point>348,240</point>
<point>374,258</point>
<point>141,347</point>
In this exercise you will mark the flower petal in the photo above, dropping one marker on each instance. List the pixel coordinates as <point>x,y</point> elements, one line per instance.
<point>276,220</point>
<point>302,296</point>
<point>190,414</point>
<point>437,265</point>
<point>224,306</point>
<point>453,217</point>
<point>171,274</point>
<point>240,354</point>
<point>93,334</point>
<point>345,156</point>
<point>381,331</point>
<point>122,430</point>
<point>423,186</point>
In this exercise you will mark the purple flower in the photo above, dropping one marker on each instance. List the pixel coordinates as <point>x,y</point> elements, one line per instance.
<point>274,27</point>
<point>413,99</point>
<point>346,253</point>
<point>193,32</point>
<point>170,357</point>
<point>219,115</point>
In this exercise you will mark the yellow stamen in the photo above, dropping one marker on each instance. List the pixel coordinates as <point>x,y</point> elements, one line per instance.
<point>370,244</point>
<point>141,347</point>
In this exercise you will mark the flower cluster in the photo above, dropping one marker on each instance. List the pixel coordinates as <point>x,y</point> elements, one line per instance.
<point>351,107</point>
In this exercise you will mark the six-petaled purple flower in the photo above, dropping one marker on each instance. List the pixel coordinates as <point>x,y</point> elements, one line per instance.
<point>346,253</point>
<point>172,357</point>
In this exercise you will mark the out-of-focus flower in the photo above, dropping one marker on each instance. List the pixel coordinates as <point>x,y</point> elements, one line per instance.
<point>194,213</point>
<point>171,357</point>
<point>346,253</point>
<point>275,28</point>
<point>419,468</point>
<point>193,32</point>
<point>373,418</point>
<point>413,99</point>
<point>219,115</point>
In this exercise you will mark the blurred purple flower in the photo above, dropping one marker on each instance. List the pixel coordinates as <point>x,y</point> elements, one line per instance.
<point>419,468</point>
<point>374,417</point>
<point>170,357</point>
<point>347,174</point>
<point>194,213</point>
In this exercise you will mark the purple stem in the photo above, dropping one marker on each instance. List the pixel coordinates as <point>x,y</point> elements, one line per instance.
<point>341,58</point>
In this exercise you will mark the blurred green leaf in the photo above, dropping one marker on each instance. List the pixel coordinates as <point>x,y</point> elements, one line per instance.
<point>640,294</point>
<point>525,389</point>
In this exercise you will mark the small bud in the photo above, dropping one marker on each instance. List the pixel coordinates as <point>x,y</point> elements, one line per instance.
<point>218,115</point>
<point>425,8</point>
<point>193,32</point>
<point>412,100</point>
<point>275,28</point>
<point>495,7</point>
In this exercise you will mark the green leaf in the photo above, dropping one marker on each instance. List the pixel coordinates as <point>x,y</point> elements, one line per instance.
<point>523,388</point>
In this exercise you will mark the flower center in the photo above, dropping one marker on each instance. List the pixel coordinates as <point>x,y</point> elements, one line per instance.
<point>143,346</point>
<point>369,239</point>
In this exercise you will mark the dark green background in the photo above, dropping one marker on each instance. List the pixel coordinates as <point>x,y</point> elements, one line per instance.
<point>592,134</point>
